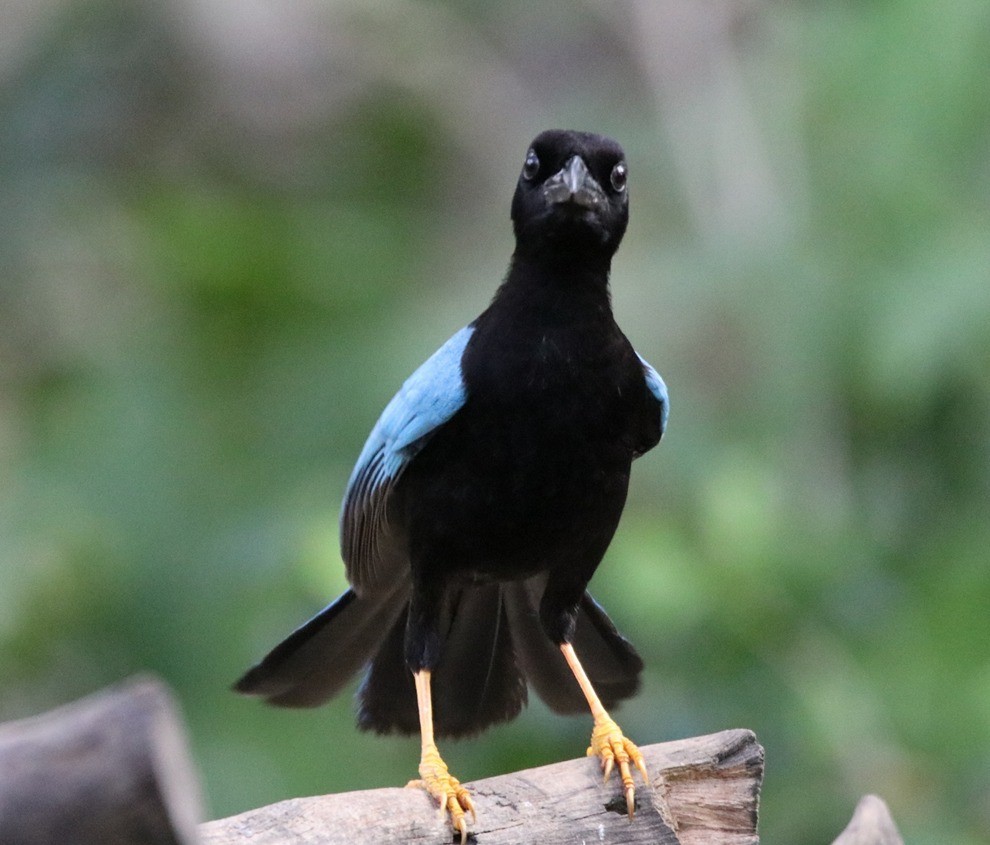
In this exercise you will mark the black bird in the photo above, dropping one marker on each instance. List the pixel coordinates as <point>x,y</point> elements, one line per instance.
<point>487,494</point>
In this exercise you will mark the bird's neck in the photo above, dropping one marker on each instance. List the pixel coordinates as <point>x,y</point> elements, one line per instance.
<point>563,284</point>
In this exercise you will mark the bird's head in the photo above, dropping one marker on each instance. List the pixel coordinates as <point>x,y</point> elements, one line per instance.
<point>571,202</point>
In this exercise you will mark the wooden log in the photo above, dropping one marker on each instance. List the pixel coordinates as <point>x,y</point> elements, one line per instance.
<point>110,768</point>
<point>704,790</point>
<point>871,824</point>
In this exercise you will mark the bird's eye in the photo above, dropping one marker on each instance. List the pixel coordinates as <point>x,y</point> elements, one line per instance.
<point>619,174</point>
<point>531,166</point>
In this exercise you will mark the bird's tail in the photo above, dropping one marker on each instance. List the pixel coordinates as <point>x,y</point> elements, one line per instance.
<point>477,682</point>
<point>317,660</point>
<point>612,664</point>
<point>494,644</point>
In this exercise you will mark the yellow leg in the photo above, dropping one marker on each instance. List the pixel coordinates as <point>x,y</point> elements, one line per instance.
<point>434,777</point>
<point>607,741</point>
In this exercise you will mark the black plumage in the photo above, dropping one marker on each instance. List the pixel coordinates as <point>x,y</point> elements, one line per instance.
<point>490,488</point>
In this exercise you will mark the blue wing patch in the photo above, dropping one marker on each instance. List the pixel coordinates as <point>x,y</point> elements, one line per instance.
<point>429,397</point>
<point>657,387</point>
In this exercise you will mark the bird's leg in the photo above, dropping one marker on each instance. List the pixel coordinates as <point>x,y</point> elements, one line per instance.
<point>607,741</point>
<point>433,775</point>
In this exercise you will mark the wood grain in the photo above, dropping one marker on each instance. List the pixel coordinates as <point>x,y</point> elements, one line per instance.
<point>114,768</point>
<point>704,790</point>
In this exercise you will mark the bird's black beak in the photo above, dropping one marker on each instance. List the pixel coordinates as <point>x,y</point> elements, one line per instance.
<point>574,184</point>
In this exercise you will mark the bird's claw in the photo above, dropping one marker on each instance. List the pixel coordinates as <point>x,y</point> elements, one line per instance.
<point>453,799</point>
<point>611,747</point>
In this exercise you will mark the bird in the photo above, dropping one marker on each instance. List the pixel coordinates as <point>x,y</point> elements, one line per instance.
<point>486,496</point>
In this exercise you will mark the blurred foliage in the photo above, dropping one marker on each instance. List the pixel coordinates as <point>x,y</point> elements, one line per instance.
<point>226,236</point>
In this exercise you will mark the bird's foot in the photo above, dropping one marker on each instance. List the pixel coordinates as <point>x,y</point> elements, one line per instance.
<point>612,748</point>
<point>453,798</point>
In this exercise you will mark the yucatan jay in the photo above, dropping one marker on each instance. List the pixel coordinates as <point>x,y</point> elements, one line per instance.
<point>487,494</point>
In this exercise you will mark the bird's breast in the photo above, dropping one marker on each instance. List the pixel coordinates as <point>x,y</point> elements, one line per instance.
<point>534,467</point>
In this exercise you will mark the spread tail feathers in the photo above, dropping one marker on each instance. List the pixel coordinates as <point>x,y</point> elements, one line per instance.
<point>477,682</point>
<point>612,664</point>
<point>316,661</point>
<point>494,645</point>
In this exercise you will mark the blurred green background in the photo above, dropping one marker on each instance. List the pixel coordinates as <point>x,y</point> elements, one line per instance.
<point>229,230</point>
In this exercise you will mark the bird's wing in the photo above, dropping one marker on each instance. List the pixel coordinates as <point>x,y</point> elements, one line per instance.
<point>656,386</point>
<point>428,399</point>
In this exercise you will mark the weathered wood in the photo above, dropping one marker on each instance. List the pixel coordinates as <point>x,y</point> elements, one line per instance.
<point>114,769</point>
<point>871,824</point>
<point>111,768</point>
<point>704,790</point>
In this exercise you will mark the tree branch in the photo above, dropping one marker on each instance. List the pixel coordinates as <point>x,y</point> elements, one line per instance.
<point>871,824</point>
<point>113,767</point>
<point>704,790</point>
